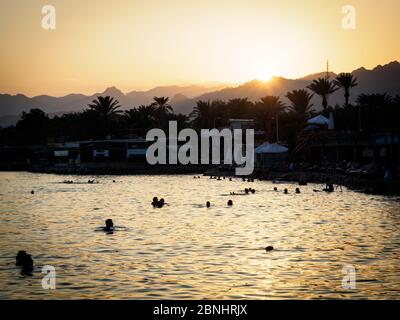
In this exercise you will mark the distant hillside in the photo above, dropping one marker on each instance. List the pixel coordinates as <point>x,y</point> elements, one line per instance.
<point>11,106</point>
<point>380,79</point>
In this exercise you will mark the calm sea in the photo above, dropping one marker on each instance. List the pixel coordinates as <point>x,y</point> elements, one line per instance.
<point>185,250</point>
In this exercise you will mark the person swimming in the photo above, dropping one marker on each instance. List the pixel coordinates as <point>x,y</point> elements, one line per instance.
<point>329,187</point>
<point>269,248</point>
<point>25,261</point>
<point>230,179</point>
<point>208,204</point>
<point>253,191</point>
<point>275,189</point>
<point>32,192</point>
<point>160,203</point>
<point>297,190</point>
<point>246,191</point>
<point>155,202</point>
<point>230,203</point>
<point>109,226</point>
<point>285,191</point>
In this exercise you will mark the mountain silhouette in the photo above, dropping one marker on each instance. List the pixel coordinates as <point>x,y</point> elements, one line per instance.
<point>381,79</point>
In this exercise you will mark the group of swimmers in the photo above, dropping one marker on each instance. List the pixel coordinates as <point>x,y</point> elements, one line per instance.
<point>246,191</point>
<point>158,203</point>
<point>219,178</point>
<point>285,191</point>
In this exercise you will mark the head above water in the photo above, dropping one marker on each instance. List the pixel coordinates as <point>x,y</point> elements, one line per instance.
<point>297,190</point>
<point>109,223</point>
<point>275,189</point>
<point>24,259</point>
<point>208,204</point>
<point>230,203</point>
<point>285,191</point>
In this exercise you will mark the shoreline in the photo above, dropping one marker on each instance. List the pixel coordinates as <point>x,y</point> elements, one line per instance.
<point>353,182</point>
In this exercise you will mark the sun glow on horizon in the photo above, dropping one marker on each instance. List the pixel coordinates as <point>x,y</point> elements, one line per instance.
<point>265,75</point>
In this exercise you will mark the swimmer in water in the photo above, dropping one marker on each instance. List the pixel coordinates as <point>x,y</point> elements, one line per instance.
<point>161,203</point>
<point>25,261</point>
<point>329,187</point>
<point>246,191</point>
<point>285,191</point>
<point>253,190</point>
<point>109,226</point>
<point>297,190</point>
<point>230,203</point>
<point>208,204</point>
<point>155,202</point>
<point>275,189</point>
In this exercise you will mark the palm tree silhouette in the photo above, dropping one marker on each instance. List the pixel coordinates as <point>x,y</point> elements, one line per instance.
<point>238,107</point>
<point>162,104</point>
<point>346,81</point>
<point>323,87</point>
<point>272,104</point>
<point>105,106</point>
<point>300,102</point>
<point>203,114</point>
<point>266,111</point>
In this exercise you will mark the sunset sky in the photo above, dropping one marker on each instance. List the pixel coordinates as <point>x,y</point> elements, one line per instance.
<point>141,44</point>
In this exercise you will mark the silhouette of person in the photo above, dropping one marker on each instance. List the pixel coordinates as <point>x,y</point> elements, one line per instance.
<point>109,226</point>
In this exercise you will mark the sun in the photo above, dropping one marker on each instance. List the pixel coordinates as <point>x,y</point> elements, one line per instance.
<point>264,75</point>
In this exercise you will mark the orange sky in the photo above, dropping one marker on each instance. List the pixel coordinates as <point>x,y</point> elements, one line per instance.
<point>140,44</point>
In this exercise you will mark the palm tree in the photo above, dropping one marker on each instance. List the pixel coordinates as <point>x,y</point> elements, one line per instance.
<point>105,106</point>
<point>203,114</point>
<point>238,107</point>
<point>162,110</point>
<point>140,119</point>
<point>346,81</point>
<point>272,104</point>
<point>374,100</point>
<point>266,111</point>
<point>323,87</point>
<point>300,101</point>
<point>162,104</point>
<point>374,106</point>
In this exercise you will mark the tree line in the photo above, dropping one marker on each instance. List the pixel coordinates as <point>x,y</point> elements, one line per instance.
<point>104,118</point>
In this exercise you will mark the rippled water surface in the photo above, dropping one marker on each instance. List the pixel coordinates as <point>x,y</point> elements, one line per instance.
<point>185,250</point>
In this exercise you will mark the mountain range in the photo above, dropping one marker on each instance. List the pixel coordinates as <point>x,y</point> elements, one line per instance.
<point>381,79</point>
